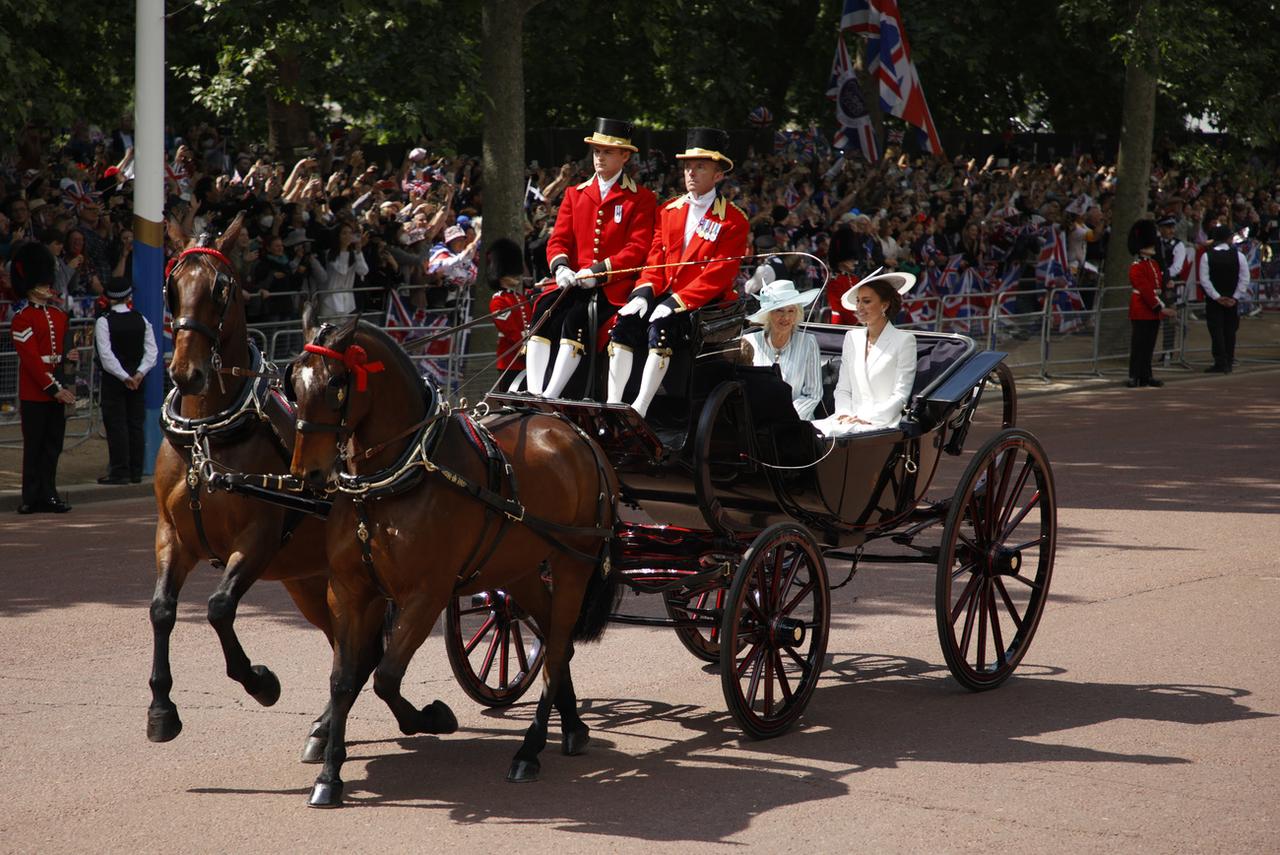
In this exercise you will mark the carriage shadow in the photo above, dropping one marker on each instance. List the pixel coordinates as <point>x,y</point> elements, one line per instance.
<point>871,712</point>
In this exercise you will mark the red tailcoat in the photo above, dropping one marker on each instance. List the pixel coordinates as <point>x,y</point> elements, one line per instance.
<point>722,233</point>
<point>39,336</point>
<point>1144,301</point>
<point>840,284</point>
<point>612,234</point>
<point>511,314</point>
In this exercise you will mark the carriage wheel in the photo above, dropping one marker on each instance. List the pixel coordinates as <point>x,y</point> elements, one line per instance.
<point>702,641</point>
<point>996,559</point>
<point>776,618</point>
<point>495,648</point>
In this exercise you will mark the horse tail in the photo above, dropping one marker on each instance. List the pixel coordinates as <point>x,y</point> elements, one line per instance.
<point>602,597</point>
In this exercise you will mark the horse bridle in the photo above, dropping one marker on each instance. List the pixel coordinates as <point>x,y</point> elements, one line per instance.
<point>223,295</point>
<point>338,389</point>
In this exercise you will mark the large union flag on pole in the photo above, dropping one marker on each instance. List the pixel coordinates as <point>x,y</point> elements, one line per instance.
<point>890,65</point>
<point>852,116</point>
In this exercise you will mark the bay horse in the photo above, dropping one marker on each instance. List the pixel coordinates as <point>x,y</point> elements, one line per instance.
<point>432,505</point>
<point>221,409</point>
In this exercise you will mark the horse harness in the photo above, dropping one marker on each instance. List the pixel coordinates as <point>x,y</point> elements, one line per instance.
<point>193,438</point>
<point>416,462</point>
<point>224,293</point>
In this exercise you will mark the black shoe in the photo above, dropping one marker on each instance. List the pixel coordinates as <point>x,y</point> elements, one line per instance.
<point>53,506</point>
<point>107,479</point>
<point>27,509</point>
<point>1154,383</point>
<point>1216,369</point>
<point>1131,383</point>
<point>135,479</point>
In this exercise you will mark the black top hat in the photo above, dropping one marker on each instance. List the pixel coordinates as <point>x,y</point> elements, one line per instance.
<point>1220,233</point>
<point>505,259</point>
<point>613,133</point>
<point>1142,235</point>
<point>31,266</point>
<point>119,288</point>
<point>707,143</point>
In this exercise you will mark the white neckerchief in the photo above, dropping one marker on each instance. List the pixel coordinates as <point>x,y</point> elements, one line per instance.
<point>698,207</point>
<point>606,184</point>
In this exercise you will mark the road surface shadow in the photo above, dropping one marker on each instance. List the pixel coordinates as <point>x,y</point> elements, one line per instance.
<point>870,712</point>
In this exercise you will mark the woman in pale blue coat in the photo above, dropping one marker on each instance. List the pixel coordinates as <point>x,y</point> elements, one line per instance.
<point>779,343</point>
<point>878,362</point>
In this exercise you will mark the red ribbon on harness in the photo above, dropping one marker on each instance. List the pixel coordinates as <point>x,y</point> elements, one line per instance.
<point>354,358</point>
<point>195,250</point>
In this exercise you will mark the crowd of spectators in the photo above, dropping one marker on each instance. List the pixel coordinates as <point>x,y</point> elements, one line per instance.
<point>342,222</point>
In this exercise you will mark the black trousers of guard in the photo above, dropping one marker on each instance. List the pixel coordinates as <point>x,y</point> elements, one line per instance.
<point>570,320</point>
<point>123,413</point>
<point>1142,343</point>
<point>636,333</point>
<point>1223,323</point>
<point>44,424</point>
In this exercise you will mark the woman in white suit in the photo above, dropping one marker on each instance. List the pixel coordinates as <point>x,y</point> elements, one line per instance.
<point>878,362</point>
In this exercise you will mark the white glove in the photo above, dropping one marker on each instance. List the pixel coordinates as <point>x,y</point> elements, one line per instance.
<point>659,313</point>
<point>564,277</point>
<point>585,279</point>
<point>763,276</point>
<point>635,307</point>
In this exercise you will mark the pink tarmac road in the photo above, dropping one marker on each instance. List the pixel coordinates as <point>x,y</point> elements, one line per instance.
<point>1142,720</point>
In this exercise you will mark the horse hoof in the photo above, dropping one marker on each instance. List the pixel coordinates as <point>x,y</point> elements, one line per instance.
<point>524,771</point>
<point>575,742</point>
<point>438,718</point>
<point>326,795</point>
<point>163,725</point>
<point>313,751</point>
<point>268,686</point>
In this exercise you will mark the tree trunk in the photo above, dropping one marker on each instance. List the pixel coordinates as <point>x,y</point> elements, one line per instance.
<point>287,118</point>
<point>502,149</point>
<point>1133,179</point>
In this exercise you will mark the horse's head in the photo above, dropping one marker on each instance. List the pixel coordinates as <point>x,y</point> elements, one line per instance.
<point>204,298</point>
<point>331,381</point>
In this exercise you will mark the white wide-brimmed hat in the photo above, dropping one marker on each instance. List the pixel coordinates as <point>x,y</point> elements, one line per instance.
<point>779,294</point>
<point>900,282</point>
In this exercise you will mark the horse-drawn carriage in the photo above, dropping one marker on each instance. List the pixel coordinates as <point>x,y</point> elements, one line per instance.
<point>733,505</point>
<point>522,518</point>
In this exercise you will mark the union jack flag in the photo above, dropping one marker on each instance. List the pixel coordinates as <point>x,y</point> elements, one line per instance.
<point>76,195</point>
<point>852,116</point>
<point>432,360</point>
<point>1052,272</point>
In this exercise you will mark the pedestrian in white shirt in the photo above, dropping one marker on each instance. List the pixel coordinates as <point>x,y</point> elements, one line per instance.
<point>1224,276</point>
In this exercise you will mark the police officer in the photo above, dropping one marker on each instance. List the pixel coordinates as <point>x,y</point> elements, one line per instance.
<point>126,347</point>
<point>698,226</point>
<point>39,333</point>
<point>1224,276</point>
<point>604,224</point>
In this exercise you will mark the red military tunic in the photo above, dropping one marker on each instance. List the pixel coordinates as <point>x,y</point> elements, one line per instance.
<point>39,335</point>
<point>511,313</point>
<point>722,233</point>
<point>609,234</point>
<point>1144,301</point>
<point>840,284</point>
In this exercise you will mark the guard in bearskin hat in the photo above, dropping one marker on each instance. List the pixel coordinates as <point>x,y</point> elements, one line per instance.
<point>126,346</point>
<point>510,305</point>
<point>1145,306</point>
<point>604,224</point>
<point>699,226</point>
<point>842,258</point>
<point>39,331</point>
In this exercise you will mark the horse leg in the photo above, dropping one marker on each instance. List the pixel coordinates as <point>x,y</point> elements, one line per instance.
<point>310,596</point>
<point>258,680</point>
<point>575,733</point>
<point>413,622</point>
<point>357,632</point>
<point>172,568</point>
<point>566,602</point>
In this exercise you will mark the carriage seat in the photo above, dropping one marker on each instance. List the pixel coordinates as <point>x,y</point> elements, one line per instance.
<point>934,356</point>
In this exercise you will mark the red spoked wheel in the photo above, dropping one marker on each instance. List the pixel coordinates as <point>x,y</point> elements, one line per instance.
<point>702,604</point>
<point>776,617</point>
<point>495,648</point>
<point>996,559</point>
